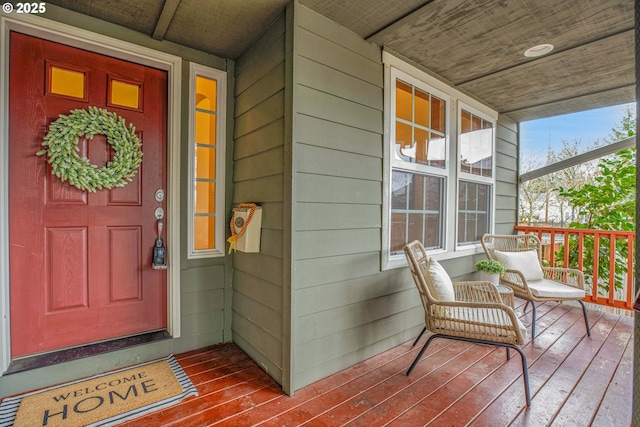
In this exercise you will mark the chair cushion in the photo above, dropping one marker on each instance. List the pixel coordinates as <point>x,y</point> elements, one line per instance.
<point>546,288</point>
<point>439,282</point>
<point>526,262</point>
<point>484,315</point>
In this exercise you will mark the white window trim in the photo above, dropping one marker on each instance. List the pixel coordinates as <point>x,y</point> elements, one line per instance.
<point>393,67</point>
<point>464,176</point>
<point>221,92</point>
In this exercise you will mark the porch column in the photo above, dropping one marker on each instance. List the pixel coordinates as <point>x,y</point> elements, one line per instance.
<point>636,347</point>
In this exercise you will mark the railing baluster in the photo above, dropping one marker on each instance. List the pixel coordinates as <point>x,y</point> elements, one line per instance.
<point>596,265</point>
<point>612,268</point>
<point>540,238</point>
<point>552,249</point>
<point>630,272</point>
<point>566,250</point>
<point>580,251</point>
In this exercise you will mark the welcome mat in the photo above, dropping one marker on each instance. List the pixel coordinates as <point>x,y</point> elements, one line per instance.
<point>102,400</point>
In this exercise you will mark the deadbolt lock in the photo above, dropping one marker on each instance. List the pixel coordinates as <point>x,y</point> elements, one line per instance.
<point>159,195</point>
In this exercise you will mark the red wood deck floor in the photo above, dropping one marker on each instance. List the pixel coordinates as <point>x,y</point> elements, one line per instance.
<point>575,381</point>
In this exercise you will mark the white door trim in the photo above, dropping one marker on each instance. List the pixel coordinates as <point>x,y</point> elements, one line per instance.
<point>63,33</point>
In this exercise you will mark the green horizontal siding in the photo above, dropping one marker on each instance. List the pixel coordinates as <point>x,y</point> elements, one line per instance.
<point>259,154</point>
<point>346,309</point>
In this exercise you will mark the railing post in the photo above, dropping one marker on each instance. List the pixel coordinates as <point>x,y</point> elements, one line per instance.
<point>630,273</point>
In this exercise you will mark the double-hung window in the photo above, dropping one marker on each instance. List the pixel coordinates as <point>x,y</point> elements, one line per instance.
<point>419,167</point>
<point>439,180</point>
<point>206,161</point>
<point>475,184</point>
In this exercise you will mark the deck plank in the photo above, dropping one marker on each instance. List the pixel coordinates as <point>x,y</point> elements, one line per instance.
<point>507,374</point>
<point>495,375</point>
<point>432,404</point>
<point>565,378</point>
<point>544,356</point>
<point>284,404</point>
<point>615,408</point>
<point>456,383</point>
<point>212,394</point>
<point>346,392</point>
<point>553,381</point>
<point>219,352</point>
<point>582,404</point>
<point>230,409</point>
<point>379,404</point>
<point>574,379</point>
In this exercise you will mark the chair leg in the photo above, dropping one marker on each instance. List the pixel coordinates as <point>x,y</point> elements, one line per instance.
<point>419,336</point>
<point>508,353</point>
<point>524,310</point>
<point>424,348</point>
<point>525,365</point>
<point>586,319</point>
<point>525,374</point>
<point>533,321</point>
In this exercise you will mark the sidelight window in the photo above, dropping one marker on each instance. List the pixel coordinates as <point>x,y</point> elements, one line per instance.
<point>206,162</point>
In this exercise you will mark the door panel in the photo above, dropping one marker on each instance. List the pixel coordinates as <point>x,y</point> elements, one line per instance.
<point>66,275</point>
<point>80,263</point>
<point>125,282</point>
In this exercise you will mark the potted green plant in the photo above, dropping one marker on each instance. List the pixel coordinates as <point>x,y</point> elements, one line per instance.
<point>490,270</point>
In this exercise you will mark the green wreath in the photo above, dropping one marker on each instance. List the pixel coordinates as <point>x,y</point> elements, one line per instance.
<point>61,148</point>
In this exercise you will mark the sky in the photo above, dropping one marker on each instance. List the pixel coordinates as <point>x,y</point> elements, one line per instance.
<point>586,126</point>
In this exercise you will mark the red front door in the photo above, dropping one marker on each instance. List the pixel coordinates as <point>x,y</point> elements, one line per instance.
<point>80,262</point>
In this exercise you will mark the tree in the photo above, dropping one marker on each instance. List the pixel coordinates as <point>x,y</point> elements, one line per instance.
<point>533,194</point>
<point>606,203</point>
<point>539,201</point>
<point>573,176</point>
<point>627,126</point>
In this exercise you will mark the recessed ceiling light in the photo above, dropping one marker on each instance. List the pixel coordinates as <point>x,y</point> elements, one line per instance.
<point>539,50</point>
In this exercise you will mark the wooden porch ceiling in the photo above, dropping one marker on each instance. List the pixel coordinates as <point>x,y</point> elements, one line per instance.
<point>575,380</point>
<point>477,46</point>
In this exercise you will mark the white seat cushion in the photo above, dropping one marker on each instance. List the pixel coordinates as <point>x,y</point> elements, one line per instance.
<point>486,315</point>
<point>526,262</point>
<point>439,282</point>
<point>546,288</point>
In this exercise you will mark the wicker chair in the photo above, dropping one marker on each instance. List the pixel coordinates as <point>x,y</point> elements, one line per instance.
<point>521,255</point>
<point>465,311</point>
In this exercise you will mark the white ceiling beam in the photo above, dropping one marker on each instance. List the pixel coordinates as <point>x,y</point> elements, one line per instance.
<point>580,158</point>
